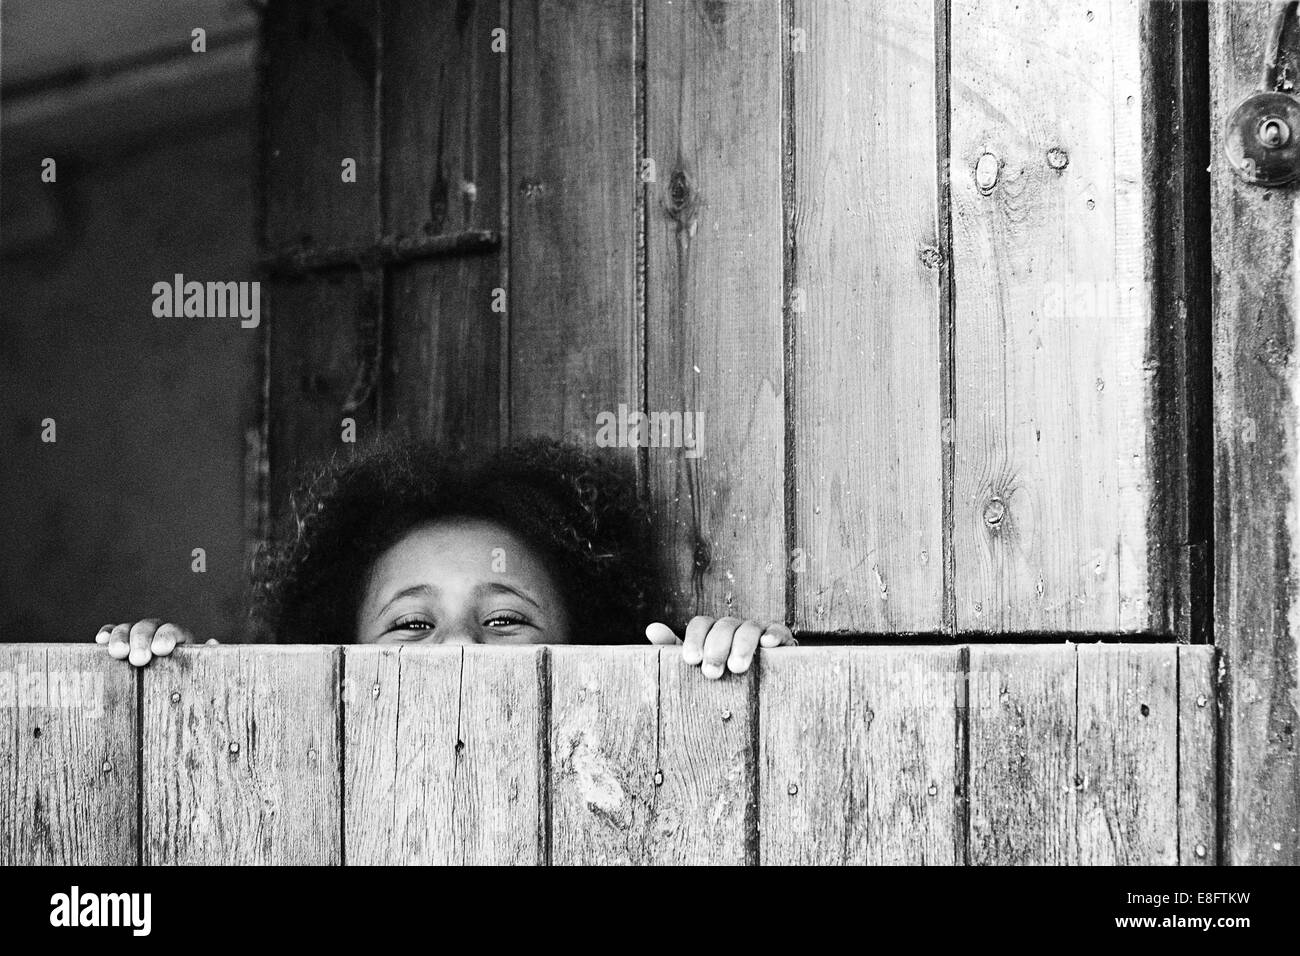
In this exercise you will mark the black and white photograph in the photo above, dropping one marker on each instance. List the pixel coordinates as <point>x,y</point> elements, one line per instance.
<point>687,433</point>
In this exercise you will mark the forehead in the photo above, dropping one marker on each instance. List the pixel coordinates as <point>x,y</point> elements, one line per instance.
<point>458,547</point>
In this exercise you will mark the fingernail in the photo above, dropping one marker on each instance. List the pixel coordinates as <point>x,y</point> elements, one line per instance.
<point>162,646</point>
<point>139,656</point>
<point>712,671</point>
<point>692,655</point>
<point>737,665</point>
<point>769,640</point>
<point>118,651</point>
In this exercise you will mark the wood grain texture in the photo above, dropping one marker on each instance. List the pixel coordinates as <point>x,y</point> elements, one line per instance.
<point>241,757</point>
<point>1022,754</point>
<point>319,89</point>
<point>705,808</point>
<point>323,367</point>
<point>573,178</point>
<point>714,310</point>
<point>1256,410</point>
<point>445,755</point>
<point>68,788</point>
<point>604,748</point>
<point>1198,721</point>
<point>865,314</point>
<point>1051,269</point>
<point>442,140</point>
<point>1127,765</point>
<point>858,756</point>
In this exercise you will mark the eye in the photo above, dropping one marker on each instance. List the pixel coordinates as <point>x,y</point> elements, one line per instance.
<point>411,624</point>
<point>504,619</point>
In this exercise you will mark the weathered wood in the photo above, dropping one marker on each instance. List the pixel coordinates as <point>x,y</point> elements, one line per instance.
<point>241,756</point>
<point>400,709</point>
<point>714,274</point>
<point>446,753</point>
<point>324,355</point>
<point>1022,754</point>
<point>705,808</point>
<point>442,367</point>
<point>442,135</point>
<point>859,758</point>
<point>604,743</point>
<point>1127,765</point>
<point>319,89</point>
<point>1052,312</point>
<point>574,333</point>
<point>1198,721</point>
<point>68,786</point>
<point>864,314</point>
<point>1256,410</point>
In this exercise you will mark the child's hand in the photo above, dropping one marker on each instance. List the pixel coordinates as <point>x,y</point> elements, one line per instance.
<point>729,640</point>
<point>142,641</point>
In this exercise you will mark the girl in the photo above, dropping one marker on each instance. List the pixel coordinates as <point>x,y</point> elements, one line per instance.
<point>542,543</point>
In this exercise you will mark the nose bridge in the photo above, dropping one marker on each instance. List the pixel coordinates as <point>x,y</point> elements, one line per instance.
<point>462,629</point>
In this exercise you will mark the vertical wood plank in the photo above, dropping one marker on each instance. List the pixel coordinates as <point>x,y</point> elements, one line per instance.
<point>865,318</point>
<point>714,312</point>
<point>500,797</point>
<point>573,328</point>
<point>241,757</point>
<point>445,755</point>
<point>400,730</point>
<point>1051,270</point>
<point>68,785</point>
<point>859,758</point>
<point>319,80</point>
<point>1198,709</point>
<point>323,349</point>
<point>604,741</point>
<point>1022,754</point>
<point>705,808</point>
<point>442,134</point>
<point>1256,408</point>
<point>1127,788</point>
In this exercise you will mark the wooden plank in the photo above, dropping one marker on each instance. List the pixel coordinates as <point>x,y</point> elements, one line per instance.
<point>442,137</point>
<point>1022,754</point>
<point>1256,408</point>
<point>714,270</point>
<point>858,757</point>
<point>68,786</point>
<point>705,808</point>
<point>323,368</point>
<point>1051,269</point>
<point>1198,721</point>
<point>319,92</point>
<point>399,774</point>
<point>445,755</point>
<point>573,166</point>
<point>604,740</point>
<point>1127,768</point>
<point>241,757</point>
<point>865,315</point>
<point>442,366</point>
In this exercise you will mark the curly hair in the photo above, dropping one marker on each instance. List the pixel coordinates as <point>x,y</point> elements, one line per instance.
<point>580,511</point>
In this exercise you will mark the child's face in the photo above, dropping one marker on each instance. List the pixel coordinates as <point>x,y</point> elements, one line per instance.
<point>461,581</point>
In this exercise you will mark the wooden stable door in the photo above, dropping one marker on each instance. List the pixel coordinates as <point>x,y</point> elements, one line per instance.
<point>888,281</point>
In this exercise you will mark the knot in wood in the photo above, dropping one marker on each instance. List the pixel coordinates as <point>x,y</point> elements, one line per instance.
<point>986,172</point>
<point>1058,158</point>
<point>931,257</point>
<point>681,203</point>
<point>994,512</point>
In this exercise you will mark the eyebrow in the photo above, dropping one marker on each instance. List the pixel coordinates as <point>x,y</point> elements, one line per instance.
<point>405,592</point>
<point>428,589</point>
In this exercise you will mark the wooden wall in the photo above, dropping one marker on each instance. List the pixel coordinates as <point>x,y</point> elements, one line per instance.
<point>942,755</point>
<point>900,257</point>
